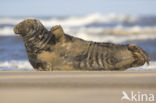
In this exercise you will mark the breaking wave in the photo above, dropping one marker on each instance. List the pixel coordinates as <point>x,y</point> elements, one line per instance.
<point>78,20</point>
<point>15,65</point>
<point>25,65</point>
<point>145,67</point>
<point>6,31</point>
<point>96,27</point>
<point>90,19</point>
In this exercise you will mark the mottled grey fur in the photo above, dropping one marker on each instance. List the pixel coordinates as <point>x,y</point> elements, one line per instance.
<point>55,50</point>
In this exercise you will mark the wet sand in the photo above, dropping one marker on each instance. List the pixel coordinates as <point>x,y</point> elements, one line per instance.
<point>73,87</point>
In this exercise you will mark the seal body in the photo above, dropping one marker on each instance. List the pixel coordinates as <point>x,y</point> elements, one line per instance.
<point>55,50</point>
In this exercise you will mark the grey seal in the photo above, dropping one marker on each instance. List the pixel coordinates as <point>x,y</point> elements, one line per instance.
<point>56,50</point>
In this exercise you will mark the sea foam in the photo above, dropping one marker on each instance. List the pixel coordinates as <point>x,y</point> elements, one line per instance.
<point>25,65</point>
<point>15,65</point>
<point>96,27</point>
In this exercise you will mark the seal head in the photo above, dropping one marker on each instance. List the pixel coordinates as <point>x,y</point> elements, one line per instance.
<point>28,27</point>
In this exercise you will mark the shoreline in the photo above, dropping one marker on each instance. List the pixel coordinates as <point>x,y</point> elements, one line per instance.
<point>73,86</point>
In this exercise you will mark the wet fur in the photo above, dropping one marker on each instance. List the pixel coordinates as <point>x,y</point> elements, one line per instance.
<point>55,50</point>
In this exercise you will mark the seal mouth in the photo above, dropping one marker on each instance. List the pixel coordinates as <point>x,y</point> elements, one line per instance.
<point>20,28</point>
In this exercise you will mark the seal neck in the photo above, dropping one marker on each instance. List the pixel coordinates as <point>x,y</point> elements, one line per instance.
<point>38,41</point>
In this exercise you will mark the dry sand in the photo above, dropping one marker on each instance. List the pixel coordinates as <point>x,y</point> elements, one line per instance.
<point>73,87</point>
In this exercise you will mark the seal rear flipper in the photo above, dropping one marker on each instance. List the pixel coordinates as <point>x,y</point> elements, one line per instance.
<point>58,32</point>
<point>126,56</point>
<point>140,55</point>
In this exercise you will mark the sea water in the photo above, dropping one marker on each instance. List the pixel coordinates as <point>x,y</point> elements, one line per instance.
<point>114,28</point>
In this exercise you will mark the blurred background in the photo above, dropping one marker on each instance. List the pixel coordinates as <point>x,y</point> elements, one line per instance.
<point>116,21</point>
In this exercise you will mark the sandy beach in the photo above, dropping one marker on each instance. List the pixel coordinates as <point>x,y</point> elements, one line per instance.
<point>74,87</point>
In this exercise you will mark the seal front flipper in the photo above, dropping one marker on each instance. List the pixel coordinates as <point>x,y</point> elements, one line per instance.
<point>58,32</point>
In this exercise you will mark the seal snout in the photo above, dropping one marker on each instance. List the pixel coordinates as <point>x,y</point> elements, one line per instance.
<point>20,28</point>
<point>28,27</point>
<point>16,29</point>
